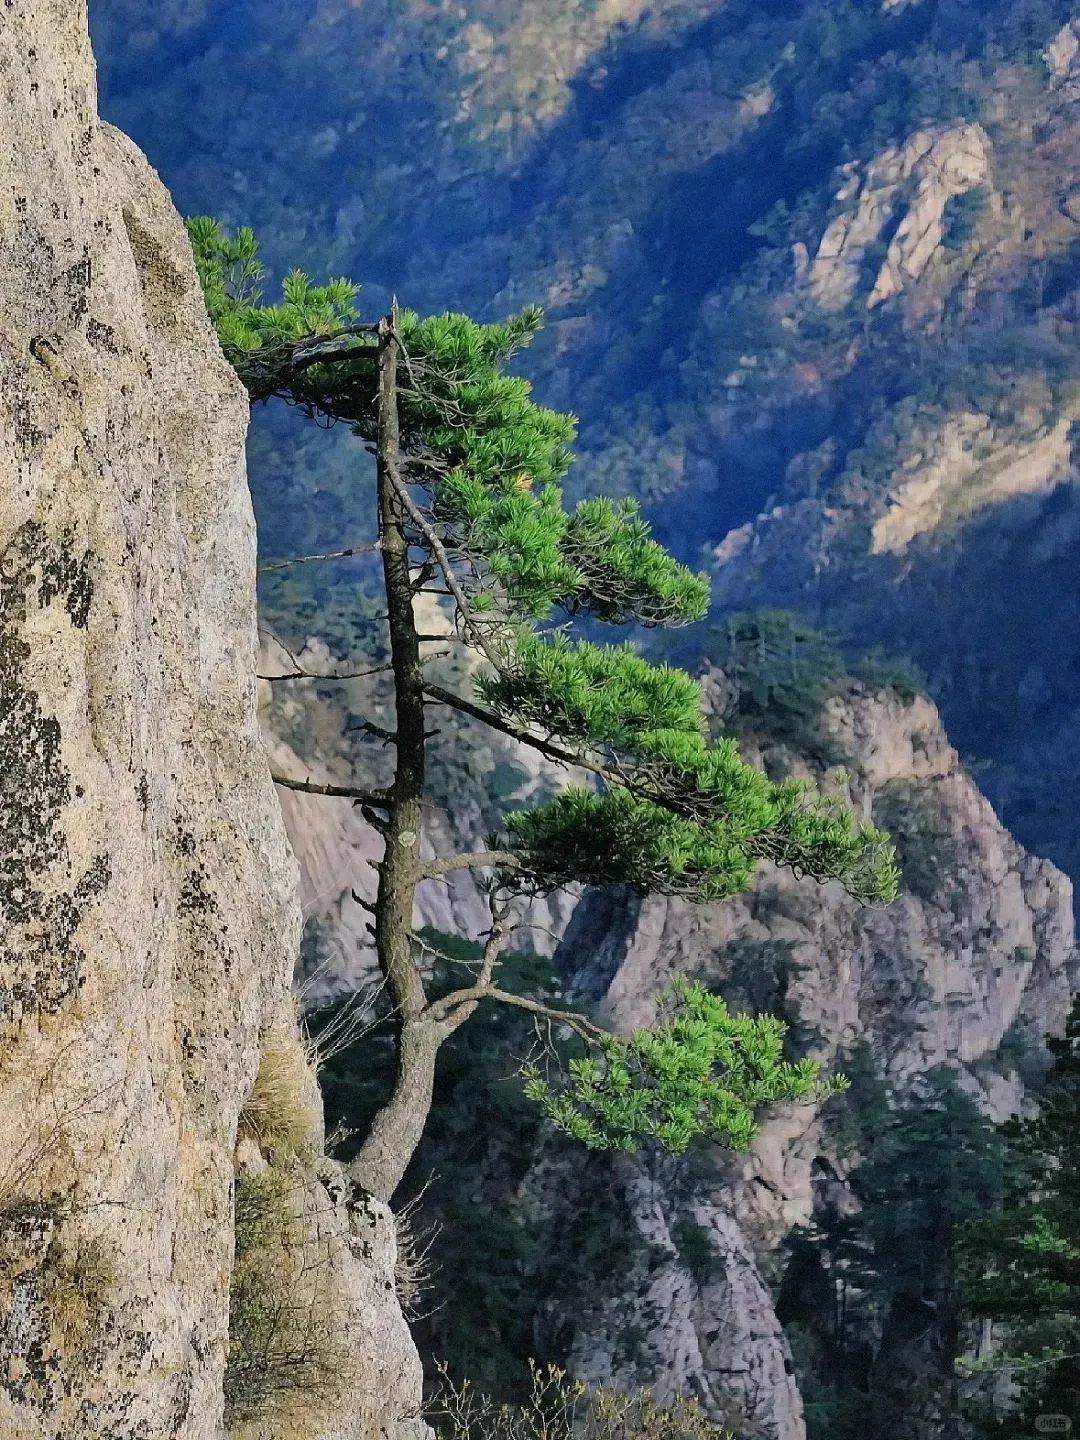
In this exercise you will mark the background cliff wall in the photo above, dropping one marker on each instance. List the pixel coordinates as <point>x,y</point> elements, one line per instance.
<point>979,945</point>
<point>147,890</point>
<point>670,1272</point>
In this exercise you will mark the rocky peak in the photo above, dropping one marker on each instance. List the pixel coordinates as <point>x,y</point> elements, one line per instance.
<point>922,176</point>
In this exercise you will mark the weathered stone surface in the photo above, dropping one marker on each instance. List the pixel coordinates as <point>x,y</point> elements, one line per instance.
<point>923,176</point>
<point>337,849</point>
<point>935,978</point>
<point>148,906</point>
<point>1063,54</point>
<point>716,1337</point>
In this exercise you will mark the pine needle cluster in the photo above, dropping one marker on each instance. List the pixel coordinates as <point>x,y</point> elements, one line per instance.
<point>700,1071</point>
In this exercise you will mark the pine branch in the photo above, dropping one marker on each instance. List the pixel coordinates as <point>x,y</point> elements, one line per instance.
<point>377,798</point>
<point>581,1025</point>
<point>455,1016</point>
<point>469,860</point>
<point>308,354</point>
<point>545,747</point>
<point>329,675</point>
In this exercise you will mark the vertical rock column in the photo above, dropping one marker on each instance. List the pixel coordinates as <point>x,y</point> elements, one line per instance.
<point>148,920</point>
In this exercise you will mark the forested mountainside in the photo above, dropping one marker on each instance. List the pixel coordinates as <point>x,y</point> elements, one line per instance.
<point>818,256</point>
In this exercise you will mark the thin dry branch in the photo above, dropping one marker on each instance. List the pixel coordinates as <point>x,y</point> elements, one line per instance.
<point>378,798</point>
<point>328,555</point>
<point>468,860</point>
<point>328,675</point>
<point>439,550</point>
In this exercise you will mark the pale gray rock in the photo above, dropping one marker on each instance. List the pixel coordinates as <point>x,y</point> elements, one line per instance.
<point>147,891</point>
<point>715,1338</point>
<point>338,850</point>
<point>935,978</point>
<point>920,177</point>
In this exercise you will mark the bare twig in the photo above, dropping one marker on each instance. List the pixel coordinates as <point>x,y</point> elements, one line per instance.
<point>329,555</point>
<point>377,798</point>
<point>388,737</point>
<point>439,550</point>
<point>329,675</point>
<point>468,860</point>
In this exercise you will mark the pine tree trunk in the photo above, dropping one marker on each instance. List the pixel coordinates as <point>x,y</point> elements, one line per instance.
<point>399,1125</point>
<point>397,1129</point>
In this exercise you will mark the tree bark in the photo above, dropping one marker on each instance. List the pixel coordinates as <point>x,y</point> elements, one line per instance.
<point>399,1125</point>
<point>397,1129</point>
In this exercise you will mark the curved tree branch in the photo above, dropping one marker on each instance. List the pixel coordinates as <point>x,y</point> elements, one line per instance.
<point>446,1008</point>
<point>469,860</point>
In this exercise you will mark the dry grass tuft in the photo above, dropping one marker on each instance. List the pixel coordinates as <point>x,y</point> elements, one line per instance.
<point>71,1275</point>
<point>563,1409</point>
<point>276,1114</point>
<point>77,1282</point>
<point>286,1362</point>
<point>413,1266</point>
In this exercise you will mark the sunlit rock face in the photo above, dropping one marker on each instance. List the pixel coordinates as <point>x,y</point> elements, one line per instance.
<point>337,848</point>
<point>148,896</point>
<point>982,944</point>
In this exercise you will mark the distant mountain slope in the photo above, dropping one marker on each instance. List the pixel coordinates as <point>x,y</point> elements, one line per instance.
<point>795,253</point>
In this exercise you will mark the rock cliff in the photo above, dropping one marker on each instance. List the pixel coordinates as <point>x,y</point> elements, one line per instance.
<point>147,889</point>
<point>335,846</point>
<point>980,941</point>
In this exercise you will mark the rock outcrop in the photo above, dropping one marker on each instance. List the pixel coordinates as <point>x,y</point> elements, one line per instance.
<point>980,941</point>
<point>337,848</point>
<point>147,891</point>
<point>923,175</point>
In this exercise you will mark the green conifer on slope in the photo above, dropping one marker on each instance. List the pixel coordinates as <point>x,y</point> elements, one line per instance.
<point>1021,1267</point>
<point>469,499</point>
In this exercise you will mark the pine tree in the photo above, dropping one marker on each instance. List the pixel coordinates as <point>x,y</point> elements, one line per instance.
<point>1021,1267</point>
<point>468,497</point>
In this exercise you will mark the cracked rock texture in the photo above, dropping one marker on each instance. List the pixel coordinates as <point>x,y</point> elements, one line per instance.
<point>148,896</point>
<point>337,848</point>
<point>938,977</point>
<point>922,176</point>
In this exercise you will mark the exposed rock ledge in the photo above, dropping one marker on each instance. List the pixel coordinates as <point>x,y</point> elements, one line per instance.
<point>148,907</point>
<point>924,174</point>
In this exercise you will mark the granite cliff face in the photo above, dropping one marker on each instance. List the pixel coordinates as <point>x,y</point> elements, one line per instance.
<point>147,890</point>
<point>336,848</point>
<point>981,941</point>
<point>673,1268</point>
